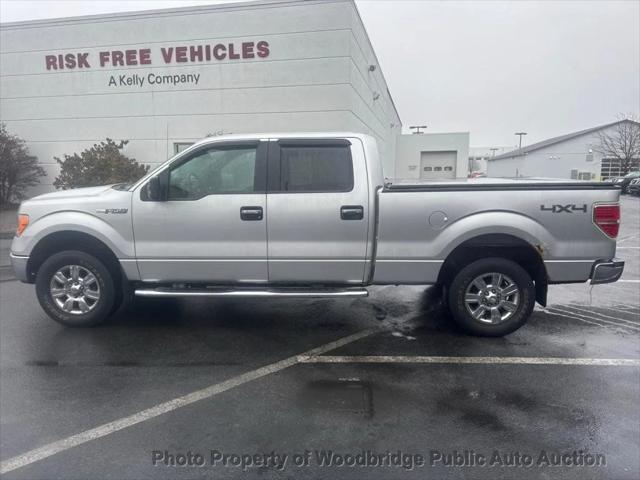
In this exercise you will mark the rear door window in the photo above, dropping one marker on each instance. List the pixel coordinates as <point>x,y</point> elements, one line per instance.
<point>316,168</point>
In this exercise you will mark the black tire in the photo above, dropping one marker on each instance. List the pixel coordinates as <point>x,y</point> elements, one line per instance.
<point>100,310</point>
<point>525,298</point>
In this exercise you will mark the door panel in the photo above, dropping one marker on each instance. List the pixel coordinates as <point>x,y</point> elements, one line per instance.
<point>209,229</point>
<point>317,212</point>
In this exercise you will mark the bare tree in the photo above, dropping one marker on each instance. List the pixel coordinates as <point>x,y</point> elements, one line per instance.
<point>622,143</point>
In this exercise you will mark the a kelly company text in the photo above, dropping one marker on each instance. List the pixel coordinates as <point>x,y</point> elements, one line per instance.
<point>137,80</point>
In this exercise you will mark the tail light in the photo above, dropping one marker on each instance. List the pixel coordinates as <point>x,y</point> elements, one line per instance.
<point>607,219</point>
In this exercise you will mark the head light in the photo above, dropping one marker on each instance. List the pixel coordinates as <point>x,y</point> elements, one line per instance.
<point>23,221</point>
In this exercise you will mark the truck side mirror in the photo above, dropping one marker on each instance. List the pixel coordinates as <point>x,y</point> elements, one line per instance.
<point>154,189</point>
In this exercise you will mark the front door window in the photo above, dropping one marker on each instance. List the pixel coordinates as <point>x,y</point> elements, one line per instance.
<point>214,171</point>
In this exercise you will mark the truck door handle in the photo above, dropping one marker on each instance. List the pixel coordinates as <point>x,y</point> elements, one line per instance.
<point>351,212</point>
<point>251,213</point>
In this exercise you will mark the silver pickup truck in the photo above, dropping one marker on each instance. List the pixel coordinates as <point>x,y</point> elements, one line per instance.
<point>312,216</point>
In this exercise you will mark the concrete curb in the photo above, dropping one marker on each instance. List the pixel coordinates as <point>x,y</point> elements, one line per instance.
<point>6,273</point>
<point>8,222</point>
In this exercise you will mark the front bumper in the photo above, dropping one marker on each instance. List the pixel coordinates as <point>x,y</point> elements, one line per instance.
<point>606,271</point>
<point>19,264</point>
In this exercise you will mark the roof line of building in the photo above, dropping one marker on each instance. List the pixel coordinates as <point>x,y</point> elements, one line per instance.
<point>455,132</point>
<point>552,141</point>
<point>366,34</point>
<point>194,9</point>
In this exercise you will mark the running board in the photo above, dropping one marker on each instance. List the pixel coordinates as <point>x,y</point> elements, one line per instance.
<point>247,292</point>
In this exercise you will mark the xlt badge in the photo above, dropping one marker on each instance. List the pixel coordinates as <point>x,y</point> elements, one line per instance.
<point>112,210</point>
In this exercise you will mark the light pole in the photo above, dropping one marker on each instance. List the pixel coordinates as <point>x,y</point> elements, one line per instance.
<point>520,134</point>
<point>417,129</point>
<point>493,151</point>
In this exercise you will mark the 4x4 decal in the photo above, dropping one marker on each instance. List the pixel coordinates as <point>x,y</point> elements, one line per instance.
<point>564,208</point>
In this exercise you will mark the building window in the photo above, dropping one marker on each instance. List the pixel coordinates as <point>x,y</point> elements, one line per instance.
<point>437,169</point>
<point>180,146</point>
<point>448,169</point>
<point>589,157</point>
<point>611,167</point>
<point>428,169</point>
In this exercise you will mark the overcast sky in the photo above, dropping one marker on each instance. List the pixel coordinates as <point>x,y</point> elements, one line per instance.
<point>488,67</point>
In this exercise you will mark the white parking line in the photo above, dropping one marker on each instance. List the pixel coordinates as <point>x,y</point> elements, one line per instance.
<point>629,281</point>
<point>553,310</point>
<point>574,318</point>
<point>169,406</point>
<point>615,362</point>
<point>621,309</point>
<point>630,237</point>
<point>593,312</point>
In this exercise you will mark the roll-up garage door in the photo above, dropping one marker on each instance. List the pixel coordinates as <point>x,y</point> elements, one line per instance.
<point>437,165</point>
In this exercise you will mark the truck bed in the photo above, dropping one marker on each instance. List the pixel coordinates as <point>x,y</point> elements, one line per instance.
<point>495,184</point>
<point>422,222</point>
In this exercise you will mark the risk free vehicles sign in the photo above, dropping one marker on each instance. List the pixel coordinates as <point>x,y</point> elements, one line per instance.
<point>167,56</point>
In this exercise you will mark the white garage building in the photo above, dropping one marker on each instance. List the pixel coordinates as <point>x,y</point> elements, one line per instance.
<point>432,156</point>
<point>166,78</point>
<point>573,156</point>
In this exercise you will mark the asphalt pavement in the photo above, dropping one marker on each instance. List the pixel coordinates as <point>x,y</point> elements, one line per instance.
<point>382,387</point>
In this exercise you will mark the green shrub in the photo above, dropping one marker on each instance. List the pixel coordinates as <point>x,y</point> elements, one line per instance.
<point>102,164</point>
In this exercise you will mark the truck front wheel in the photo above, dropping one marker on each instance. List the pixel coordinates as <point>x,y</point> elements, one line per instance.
<point>491,297</point>
<point>75,289</point>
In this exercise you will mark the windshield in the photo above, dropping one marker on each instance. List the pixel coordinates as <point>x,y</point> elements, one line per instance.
<point>632,175</point>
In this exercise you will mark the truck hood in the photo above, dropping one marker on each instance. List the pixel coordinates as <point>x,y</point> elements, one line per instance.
<point>90,200</point>
<point>74,193</point>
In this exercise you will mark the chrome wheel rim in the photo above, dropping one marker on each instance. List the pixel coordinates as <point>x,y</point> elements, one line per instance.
<point>492,298</point>
<point>74,289</point>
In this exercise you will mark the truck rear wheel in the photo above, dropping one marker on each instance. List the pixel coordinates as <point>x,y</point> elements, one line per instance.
<point>75,289</point>
<point>491,297</point>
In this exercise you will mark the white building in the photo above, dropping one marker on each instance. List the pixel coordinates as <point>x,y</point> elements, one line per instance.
<point>478,156</point>
<point>432,156</point>
<point>572,156</point>
<point>162,79</point>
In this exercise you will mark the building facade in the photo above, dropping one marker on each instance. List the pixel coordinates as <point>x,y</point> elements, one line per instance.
<point>574,156</point>
<point>167,78</point>
<point>431,156</point>
<point>479,156</point>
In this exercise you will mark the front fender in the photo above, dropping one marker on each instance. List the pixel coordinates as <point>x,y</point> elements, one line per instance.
<point>116,233</point>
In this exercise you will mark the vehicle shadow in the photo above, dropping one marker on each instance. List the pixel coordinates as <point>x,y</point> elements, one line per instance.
<point>177,332</point>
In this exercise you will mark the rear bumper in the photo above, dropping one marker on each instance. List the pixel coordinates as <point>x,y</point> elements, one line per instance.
<point>19,264</point>
<point>606,271</point>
